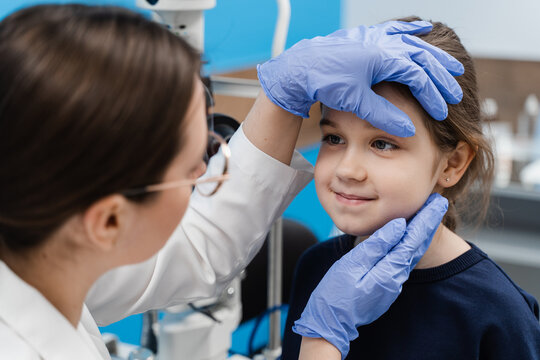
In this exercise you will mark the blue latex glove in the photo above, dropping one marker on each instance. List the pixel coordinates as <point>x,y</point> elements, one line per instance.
<point>362,285</point>
<point>339,70</point>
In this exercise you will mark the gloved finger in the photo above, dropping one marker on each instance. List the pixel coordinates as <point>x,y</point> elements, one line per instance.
<point>374,248</point>
<point>443,80</point>
<point>422,87</point>
<point>425,223</point>
<point>406,27</point>
<point>421,228</point>
<point>384,115</point>
<point>394,269</point>
<point>417,239</point>
<point>453,66</point>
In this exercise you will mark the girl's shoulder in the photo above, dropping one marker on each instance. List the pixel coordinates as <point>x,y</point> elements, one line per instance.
<point>503,290</point>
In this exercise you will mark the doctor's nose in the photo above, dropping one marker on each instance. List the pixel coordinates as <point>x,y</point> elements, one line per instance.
<point>351,168</point>
<point>201,169</point>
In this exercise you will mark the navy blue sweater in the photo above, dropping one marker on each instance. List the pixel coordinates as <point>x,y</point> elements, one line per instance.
<point>467,308</point>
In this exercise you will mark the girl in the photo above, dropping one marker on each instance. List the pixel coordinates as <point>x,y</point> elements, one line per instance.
<point>457,303</point>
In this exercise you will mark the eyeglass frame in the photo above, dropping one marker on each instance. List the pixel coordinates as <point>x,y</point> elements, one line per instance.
<point>220,179</point>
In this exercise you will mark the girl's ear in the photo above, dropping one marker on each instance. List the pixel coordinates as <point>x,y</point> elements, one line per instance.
<point>457,163</point>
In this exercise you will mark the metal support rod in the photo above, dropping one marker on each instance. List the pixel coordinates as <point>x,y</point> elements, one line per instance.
<point>275,259</point>
<point>282,27</point>
<point>148,337</point>
<point>275,244</point>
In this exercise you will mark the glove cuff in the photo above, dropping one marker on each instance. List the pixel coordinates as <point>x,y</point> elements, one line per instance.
<point>340,344</point>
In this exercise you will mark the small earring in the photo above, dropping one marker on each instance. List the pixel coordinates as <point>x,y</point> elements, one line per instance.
<point>447,179</point>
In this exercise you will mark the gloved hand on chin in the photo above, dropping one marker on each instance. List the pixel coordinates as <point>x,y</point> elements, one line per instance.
<point>362,285</point>
<point>339,70</point>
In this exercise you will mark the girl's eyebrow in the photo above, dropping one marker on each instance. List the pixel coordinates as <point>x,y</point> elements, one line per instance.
<point>370,128</point>
<point>327,122</point>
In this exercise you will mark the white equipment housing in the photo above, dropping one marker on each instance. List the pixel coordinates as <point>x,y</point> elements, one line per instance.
<point>184,17</point>
<point>188,335</point>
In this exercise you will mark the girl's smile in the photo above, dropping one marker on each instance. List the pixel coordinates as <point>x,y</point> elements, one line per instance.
<point>351,199</point>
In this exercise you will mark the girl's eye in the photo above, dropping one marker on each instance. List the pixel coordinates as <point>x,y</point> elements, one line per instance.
<point>383,145</point>
<point>333,139</point>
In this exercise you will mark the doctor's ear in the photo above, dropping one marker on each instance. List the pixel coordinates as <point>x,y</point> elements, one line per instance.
<point>458,161</point>
<point>104,221</point>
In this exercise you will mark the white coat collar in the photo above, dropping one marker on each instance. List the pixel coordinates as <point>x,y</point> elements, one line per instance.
<point>28,313</point>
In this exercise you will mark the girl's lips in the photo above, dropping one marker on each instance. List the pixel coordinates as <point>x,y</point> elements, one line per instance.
<point>349,199</point>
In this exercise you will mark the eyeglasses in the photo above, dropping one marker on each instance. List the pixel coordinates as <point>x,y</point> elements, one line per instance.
<point>216,173</point>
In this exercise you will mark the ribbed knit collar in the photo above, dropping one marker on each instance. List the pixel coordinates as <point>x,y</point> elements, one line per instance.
<point>451,268</point>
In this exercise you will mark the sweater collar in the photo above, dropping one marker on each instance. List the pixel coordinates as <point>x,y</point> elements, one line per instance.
<point>449,269</point>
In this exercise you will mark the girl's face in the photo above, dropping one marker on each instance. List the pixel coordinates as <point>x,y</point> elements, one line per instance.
<point>366,177</point>
<point>155,221</point>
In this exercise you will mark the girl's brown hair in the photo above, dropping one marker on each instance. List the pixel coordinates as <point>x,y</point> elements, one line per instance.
<point>462,124</point>
<point>92,102</point>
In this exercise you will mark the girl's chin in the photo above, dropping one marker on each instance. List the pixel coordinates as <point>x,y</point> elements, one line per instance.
<point>356,231</point>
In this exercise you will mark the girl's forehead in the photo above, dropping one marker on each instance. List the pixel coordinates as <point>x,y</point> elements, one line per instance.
<point>341,119</point>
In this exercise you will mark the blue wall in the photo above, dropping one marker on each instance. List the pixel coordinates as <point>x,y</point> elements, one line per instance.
<point>239,32</point>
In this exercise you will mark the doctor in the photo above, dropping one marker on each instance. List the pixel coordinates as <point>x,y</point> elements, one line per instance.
<point>102,136</point>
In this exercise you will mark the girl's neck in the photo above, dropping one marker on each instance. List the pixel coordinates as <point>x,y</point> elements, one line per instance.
<point>62,281</point>
<point>445,246</point>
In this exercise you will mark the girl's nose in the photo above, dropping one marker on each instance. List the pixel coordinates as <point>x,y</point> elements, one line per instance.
<point>351,167</point>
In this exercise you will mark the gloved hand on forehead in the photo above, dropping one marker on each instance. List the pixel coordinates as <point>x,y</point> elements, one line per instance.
<point>339,70</point>
<point>362,285</point>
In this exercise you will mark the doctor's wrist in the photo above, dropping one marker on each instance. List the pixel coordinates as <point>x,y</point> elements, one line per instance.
<point>272,129</point>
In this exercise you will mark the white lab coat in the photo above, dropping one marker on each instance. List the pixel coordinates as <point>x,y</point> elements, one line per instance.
<point>217,238</point>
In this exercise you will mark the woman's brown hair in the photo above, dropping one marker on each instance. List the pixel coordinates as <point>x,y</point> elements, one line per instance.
<point>92,102</point>
<point>462,124</point>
